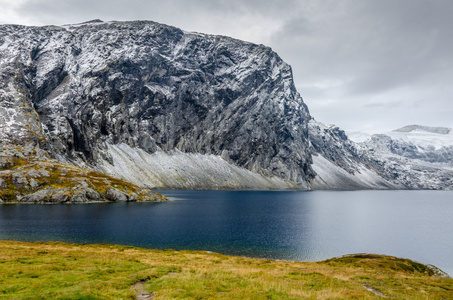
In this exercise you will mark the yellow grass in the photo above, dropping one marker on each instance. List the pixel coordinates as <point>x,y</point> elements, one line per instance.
<point>69,271</point>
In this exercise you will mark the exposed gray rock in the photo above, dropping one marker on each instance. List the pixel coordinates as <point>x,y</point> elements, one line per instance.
<point>154,87</point>
<point>19,180</point>
<point>339,163</point>
<point>133,197</point>
<point>332,143</point>
<point>115,195</point>
<point>79,198</point>
<point>408,157</point>
<point>59,197</point>
<point>92,195</point>
<point>84,195</point>
<point>35,174</point>
<point>34,183</point>
<point>39,196</point>
<point>84,184</point>
<point>149,195</point>
<point>2,183</point>
<point>44,173</point>
<point>382,143</point>
<point>400,161</point>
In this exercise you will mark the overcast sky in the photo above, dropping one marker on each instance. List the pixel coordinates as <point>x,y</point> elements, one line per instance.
<point>368,65</point>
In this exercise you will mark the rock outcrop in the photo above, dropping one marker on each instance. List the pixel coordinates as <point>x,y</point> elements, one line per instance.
<point>27,177</point>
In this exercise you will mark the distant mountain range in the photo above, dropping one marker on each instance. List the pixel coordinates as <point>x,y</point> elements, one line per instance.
<point>163,108</point>
<point>422,156</point>
<point>412,157</point>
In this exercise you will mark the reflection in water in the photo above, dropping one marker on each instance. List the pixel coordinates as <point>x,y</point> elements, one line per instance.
<point>282,225</point>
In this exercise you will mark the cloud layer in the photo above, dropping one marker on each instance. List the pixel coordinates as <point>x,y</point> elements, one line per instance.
<point>360,64</point>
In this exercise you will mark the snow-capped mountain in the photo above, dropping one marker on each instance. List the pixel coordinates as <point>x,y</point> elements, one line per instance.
<point>429,144</point>
<point>420,157</point>
<point>164,108</point>
<point>155,105</point>
<point>341,164</point>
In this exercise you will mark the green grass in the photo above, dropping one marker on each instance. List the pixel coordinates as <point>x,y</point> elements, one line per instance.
<point>69,271</point>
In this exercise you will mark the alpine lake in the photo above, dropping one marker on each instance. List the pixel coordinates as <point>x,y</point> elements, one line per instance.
<point>290,225</point>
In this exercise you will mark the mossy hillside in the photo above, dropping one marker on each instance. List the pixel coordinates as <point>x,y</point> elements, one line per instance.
<point>68,271</point>
<point>31,178</point>
<point>385,263</point>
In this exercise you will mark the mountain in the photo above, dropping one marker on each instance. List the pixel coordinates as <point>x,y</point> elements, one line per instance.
<point>155,105</point>
<point>341,164</point>
<point>412,157</point>
<point>419,157</point>
<point>158,107</point>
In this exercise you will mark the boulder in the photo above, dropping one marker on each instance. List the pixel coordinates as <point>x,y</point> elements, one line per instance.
<point>116,195</point>
<point>47,196</point>
<point>19,180</point>
<point>34,183</point>
<point>93,195</point>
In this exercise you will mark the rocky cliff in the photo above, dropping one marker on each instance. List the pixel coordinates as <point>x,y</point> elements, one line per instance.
<point>122,96</point>
<point>163,108</point>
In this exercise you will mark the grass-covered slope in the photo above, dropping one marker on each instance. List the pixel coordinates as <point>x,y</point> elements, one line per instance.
<point>27,176</point>
<point>68,271</point>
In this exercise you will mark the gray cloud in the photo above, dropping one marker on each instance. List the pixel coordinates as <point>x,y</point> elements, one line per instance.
<point>357,63</point>
<point>352,52</point>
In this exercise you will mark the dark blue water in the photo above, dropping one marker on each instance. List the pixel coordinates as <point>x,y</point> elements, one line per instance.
<point>280,225</point>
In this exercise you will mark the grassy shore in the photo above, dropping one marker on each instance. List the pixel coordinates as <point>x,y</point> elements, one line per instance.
<point>70,271</point>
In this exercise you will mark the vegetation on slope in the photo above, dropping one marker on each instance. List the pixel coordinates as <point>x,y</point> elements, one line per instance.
<point>26,176</point>
<point>68,271</point>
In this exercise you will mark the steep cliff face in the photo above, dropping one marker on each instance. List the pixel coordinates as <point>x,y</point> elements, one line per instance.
<point>83,90</point>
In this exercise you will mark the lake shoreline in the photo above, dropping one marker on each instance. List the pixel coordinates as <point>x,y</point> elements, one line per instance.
<point>436,271</point>
<point>300,226</point>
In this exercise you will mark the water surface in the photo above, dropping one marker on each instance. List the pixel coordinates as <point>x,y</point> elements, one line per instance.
<point>280,225</point>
